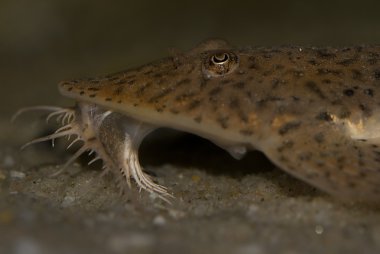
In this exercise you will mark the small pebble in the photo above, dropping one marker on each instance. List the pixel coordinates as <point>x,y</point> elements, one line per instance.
<point>250,248</point>
<point>176,214</point>
<point>252,210</point>
<point>26,245</point>
<point>195,178</point>
<point>159,220</point>
<point>6,217</point>
<point>319,229</point>
<point>68,201</point>
<point>2,175</point>
<point>8,161</point>
<point>376,234</point>
<point>125,242</point>
<point>17,174</point>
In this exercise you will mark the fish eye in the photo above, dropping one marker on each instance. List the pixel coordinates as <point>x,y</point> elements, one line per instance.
<point>220,58</point>
<point>219,63</point>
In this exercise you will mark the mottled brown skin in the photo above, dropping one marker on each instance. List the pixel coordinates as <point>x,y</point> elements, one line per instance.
<point>291,103</point>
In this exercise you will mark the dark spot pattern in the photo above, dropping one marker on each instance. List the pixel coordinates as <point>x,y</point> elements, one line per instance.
<point>344,113</point>
<point>313,62</point>
<point>319,137</point>
<point>119,90</point>
<point>295,98</point>
<point>226,81</point>
<point>313,87</point>
<point>246,132</point>
<point>376,74</point>
<point>279,66</point>
<point>325,53</point>
<point>275,83</point>
<point>234,104</point>
<point>121,82</point>
<point>184,81</point>
<point>158,75</point>
<point>194,104</point>
<point>130,82</point>
<point>95,89</point>
<point>369,92</point>
<point>326,81</point>
<point>140,91</point>
<point>160,95</point>
<point>348,92</point>
<point>223,121</point>
<point>326,71</point>
<point>347,62</point>
<point>285,146</point>
<point>110,79</point>
<point>324,116</point>
<point>356,75</point>
<point>289,126</point>
<point>305,156</point>
<point>185,96</point>
<point>239,85</point>
<point>215,91</point>
<point>366,109</point>
<point>174,111</point>
<point>298,73</point>
<point>198,119</point>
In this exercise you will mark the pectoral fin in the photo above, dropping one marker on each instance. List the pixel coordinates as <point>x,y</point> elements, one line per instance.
<point>327,157</point>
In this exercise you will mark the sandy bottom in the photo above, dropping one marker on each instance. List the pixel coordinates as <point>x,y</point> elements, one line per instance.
<point>220,206</point>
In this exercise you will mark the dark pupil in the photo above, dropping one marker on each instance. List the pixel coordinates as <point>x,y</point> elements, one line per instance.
<point>220,58</point>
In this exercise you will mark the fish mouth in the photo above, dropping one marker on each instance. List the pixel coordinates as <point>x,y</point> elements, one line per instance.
<point>114,138</point>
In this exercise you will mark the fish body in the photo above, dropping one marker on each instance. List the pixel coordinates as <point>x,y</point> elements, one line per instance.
<point>314,112</point>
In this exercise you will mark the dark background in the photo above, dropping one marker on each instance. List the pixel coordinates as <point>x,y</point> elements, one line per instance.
<point>43,42</point>
<point>222,205</point>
